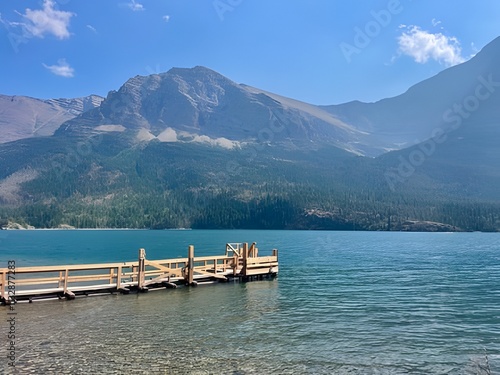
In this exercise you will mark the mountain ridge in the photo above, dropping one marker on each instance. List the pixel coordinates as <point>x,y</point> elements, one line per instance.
<point>400,121</point>
<point>24,117</point>
<point>200,102</point>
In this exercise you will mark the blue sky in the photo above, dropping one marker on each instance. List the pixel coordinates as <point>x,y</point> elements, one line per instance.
<point>318,51</point>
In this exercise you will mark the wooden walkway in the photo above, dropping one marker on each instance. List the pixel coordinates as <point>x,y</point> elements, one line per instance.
<point>240,261</point>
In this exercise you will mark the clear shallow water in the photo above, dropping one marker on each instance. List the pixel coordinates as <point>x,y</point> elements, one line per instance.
<point>344,303</point>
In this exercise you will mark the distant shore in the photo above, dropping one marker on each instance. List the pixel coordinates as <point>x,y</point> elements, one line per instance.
<point>64,229</point>
<point>410,226</point>
<point>423,226</point>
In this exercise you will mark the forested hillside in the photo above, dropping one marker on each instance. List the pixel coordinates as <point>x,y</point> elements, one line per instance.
<point>181,185</point>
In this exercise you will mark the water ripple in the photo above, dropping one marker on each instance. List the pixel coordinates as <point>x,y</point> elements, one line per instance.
<point>344,303</point>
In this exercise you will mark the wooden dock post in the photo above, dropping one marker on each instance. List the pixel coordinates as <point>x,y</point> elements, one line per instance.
<point>119,277</point>
<point>253,251</point>
<point>275,254</point>
<point>67,293</point>
<point>61,279</point>
<point>245,261</point>
<point>141,269</point>
<point>190,267</point>
<point>2,290</point>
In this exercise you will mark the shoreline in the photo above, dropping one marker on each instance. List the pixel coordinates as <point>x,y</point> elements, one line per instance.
<point>86,229</point>
<point>214,229</point>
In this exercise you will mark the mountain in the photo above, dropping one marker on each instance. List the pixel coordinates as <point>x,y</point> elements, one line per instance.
<point>191,148</point>
<point>441,102</point>
<point>24,117</point>
<point>456,119</point>
<point>201,105</point>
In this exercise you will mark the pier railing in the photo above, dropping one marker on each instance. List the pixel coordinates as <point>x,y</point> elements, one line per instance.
<point>66,281</point>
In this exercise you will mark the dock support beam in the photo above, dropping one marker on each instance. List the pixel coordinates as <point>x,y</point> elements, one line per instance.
<point>3,281</point>
<point>67,293</point>
<point>141,269</point>
<point>190,267</point>
<point>253,251</point>
<point>119,277</point>
<point>245,262</point>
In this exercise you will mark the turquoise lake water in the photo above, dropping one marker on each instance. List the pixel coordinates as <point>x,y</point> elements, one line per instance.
<point>343,303</point>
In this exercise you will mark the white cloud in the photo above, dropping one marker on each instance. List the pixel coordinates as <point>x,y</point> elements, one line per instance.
<point>92,28</point>
<point>422,46</point>
<point>166,18</point>
<point>135,6</point>
<point>47,21</point>
<point>435,22</point>
<point>61,69</point>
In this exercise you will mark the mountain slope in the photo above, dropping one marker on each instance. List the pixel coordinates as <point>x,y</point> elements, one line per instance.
<point>416,115</point>
<point>24,117</point>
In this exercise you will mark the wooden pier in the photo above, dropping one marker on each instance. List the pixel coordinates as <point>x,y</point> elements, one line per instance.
<point>240,262</point>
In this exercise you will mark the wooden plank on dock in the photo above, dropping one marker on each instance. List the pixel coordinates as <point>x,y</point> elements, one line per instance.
<point>158,266</point>
<point>72,267</point>
<point>211,274</point>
